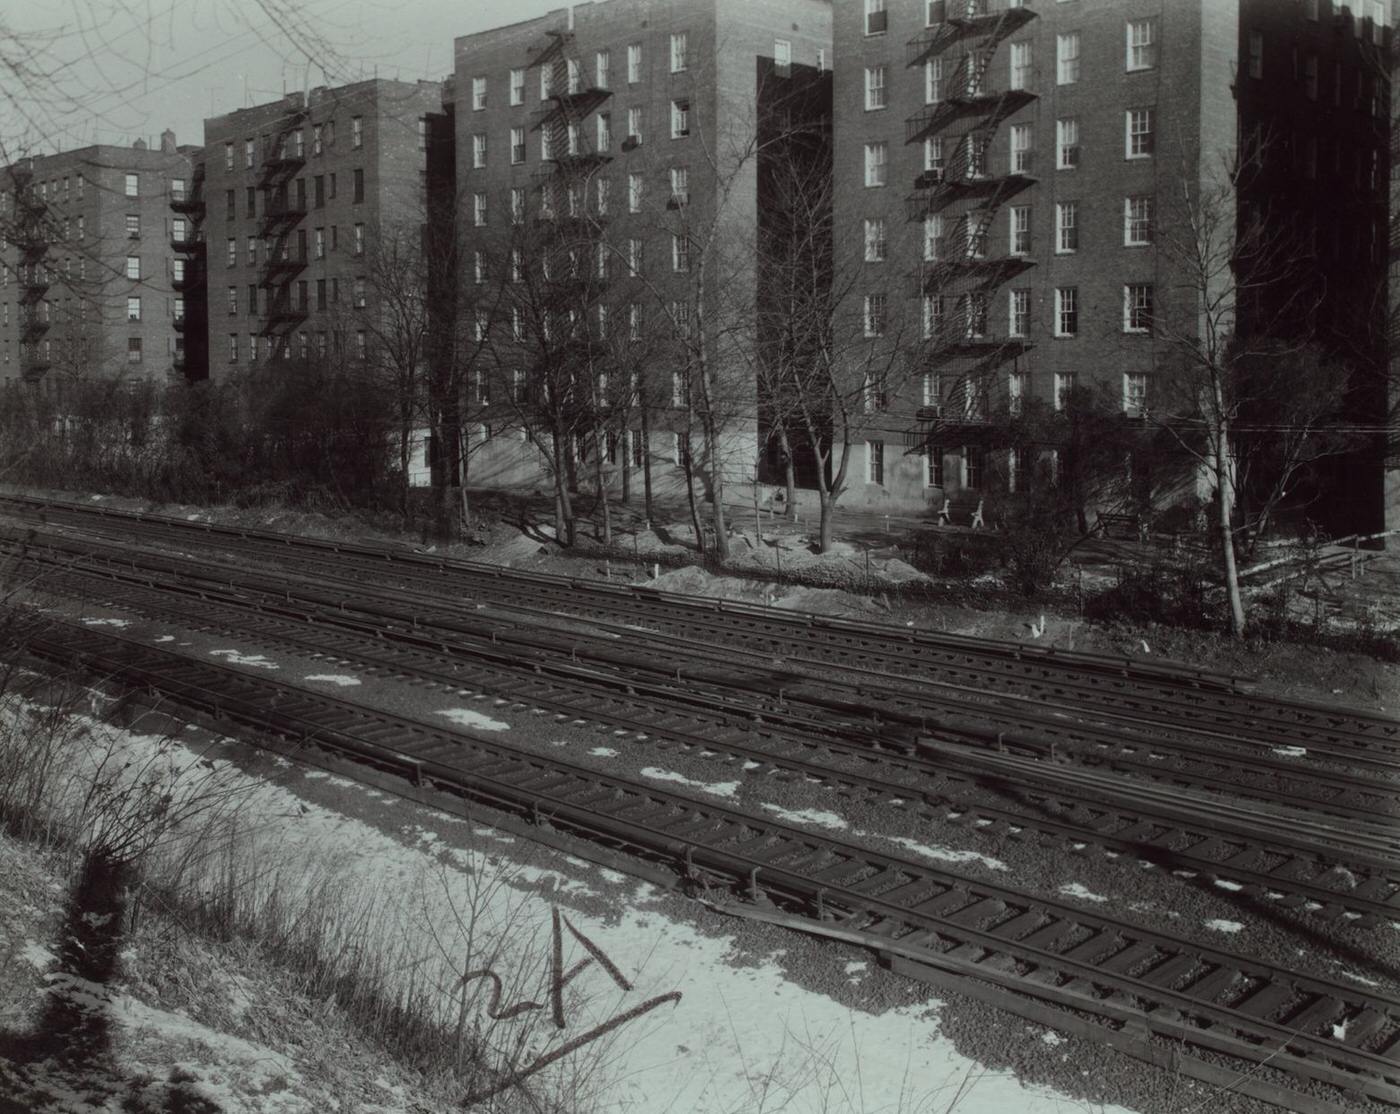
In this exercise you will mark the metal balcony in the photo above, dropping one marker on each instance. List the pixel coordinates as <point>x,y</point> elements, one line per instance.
<point>190,245</point>
<point>191,203</point>
<point>192,279</point>
<point>33,327</point>
<point>277,271</point>
<point>287,214</point>
<point>989,20</point>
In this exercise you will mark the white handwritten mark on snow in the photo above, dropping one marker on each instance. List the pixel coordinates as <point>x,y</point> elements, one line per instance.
<point>334,679</point>
<point>1225,926</point>
<point>467,718</point>
<point>106,622</point>
<point>1291,752</point>
<point>808,816</point>
<point>948,855</point>
<point>719,788</point>
<point>1074,889</point>
<point>237,657</point>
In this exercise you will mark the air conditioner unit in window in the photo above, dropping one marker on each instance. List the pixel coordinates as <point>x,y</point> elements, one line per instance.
<point>631,143</point>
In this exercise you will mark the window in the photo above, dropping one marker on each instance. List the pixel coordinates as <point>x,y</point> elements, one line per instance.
<point>680,187</point>
<point>133,266</point>
<point>478,94</point>
<point>634,323</point>
<point>1140,123</point>
<point>1066,143</point>
<point>1021,77</point>
<point>546,144</point>
<point>133,226</point>
<point>933,316</point>
<point>1310,76</point>
<point>634,63</point>
<point>932,392</point>
<point>233,301</point>
<point>133,350</point>
<point>478,153</point>
<point>603,130</point>
<point>934,466</point>
<point>1020,148</point>
<point>361,344</point>
<point>317,140</point>
<point>602,63</point>
<point>359,177</point>
<point>357,132</point>
<point>604,190</point>
<point>359,240</point>
<point>1066,226</point>
<point>875,92</point>
<point>975,316</point>
<point>1137,308</point>
<point>972,467</point>
<point>319,250</point>
<point>680,119</point>
<point>1256,54</point>
<point>876,19</point>
<point>1020,229</point>
<point>680,46</point>
<point>1134,393</point>
<point>933,157</point>
<point>228,155</point>
<point>1016,386</point>
<point>1066,311</point>
<point>1067,58</point>
<point>517,87</point>
<point>1137,221</point>
<point>875,243</point>
<point>634,193</point>
<point>478,212</point>
<point>975,150</point>
<point>874,315</point>
<point>133,308</point>
<point>680,253</point>
<point>1064,388</point>
<point>572,78</point>
<point>1142,44</point>
<point>358,292</point>
<point>319,189</point>
<point>634,257</point>
<point>634,127</point>
<point>330,185</point>
<point>874,462</point>
<point>782,57</point>
<point>82,182</point>
<point>876,163</point>
<point>933,81</point>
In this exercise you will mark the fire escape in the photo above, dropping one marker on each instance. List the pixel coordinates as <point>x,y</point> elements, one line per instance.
<point>191,266</point>
<point>282,259</point>
<point>972,174</point>
<point>31,241</point>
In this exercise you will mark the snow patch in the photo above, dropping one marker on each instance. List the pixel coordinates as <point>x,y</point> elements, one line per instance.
<point>947,854</point>
<point>1290,752</point>
<point>807,816</point>
<point>106,622</point>
<point>603,752</point>
<point>718,788</point>
<point>1052,1038</point>
<point>341,679</point>
<point>166,638</point>
<point>36,954</point>
<point>1225,926</point>
<point>1226,884</point>
<point>238,657</point>
<point>465,717</point>
<point>1074,889</point>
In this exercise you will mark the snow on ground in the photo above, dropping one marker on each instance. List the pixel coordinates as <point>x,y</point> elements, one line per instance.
<point>947,854</point>
<point>341,679</point>
<point>238,657</point>
<point>465,717</point>
<point>690,1031</point>
<point>1224,926</point>
<point>106,622</point>
<point>807,816</point>
<point>603,752</point>
<point>1074,889</point>
<point>1291,752</point>
<point>166,638</point>
<point>1228,886</point>
<point>718,788</point>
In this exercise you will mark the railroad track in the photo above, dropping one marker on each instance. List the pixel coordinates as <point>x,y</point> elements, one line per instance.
<point>1285,857</point>
<point>1143,691</point>
<point>1168,988</point>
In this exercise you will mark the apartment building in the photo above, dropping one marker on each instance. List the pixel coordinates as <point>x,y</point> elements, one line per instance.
<point>1014,169</point>
<point>626,133</point>
<point>295,194</point>
<point>89,265</point>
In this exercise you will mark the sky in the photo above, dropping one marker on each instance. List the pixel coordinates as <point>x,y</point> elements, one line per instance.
<point>75,72</point>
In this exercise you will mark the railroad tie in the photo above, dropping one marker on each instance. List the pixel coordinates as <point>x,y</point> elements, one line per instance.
<point>1320,1015</point>
<point>1265,1001</point>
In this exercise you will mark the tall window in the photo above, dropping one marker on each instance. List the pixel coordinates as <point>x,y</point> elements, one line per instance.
<point>1142,44</point>
<point>133,226</point>
<point>228,155</point>
<point>680,253</point>
<point>634,63</point>
<point>1137,308</point>
<point>1067,226</point>
<point>1064,388</point>
<point>876,19</point>
<point>680,186</point>
<point>680,50</point>
<point>634,192</point>
<point>478,94</point>
<point>249,154</point>
<point>133,350</point>
<point>1137,220</point>
<point>933,316</point>
<point>634,257</point>
<point>876,163</point>
<point>517,204</point>
<point>478,154</point>
<point>875,244</point>
<point>603,131</point>
<point>602,65</point>
<point>133,265</point>
<point>1134,393</point>
<point>874,315</point>
<point>1066,311</point>
<point>357,132</point>
<point>133,307</point>
<point>517,146</point>
<point>1066,143</point>
<point>934,466</point>
<point>478,213</point>
<point>1020,229</point>
<point>517,87</point>
<point>1140,124</point>
<point>1016,384</point>
<point>972,467</point>
<point>1021,65</point>
<point>975,316</point>
<point>933,236</point>
<point>634,125</point>
<point>1310,76</point>
<point>875,91</point>
<point>875,462</point>
<point>132,185</point>
<point>1256,54</point>
<point>680,119</point>
<point>1020,148</point>
<point>233,301</point>
<point>933,81</point>
<point>1067,58</point>
<point>782,57</point>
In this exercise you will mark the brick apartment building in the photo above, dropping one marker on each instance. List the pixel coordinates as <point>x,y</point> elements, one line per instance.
<point>88,265</point>
<point>1009,169</point>
<point>294,194</point>
<point>631,128</point>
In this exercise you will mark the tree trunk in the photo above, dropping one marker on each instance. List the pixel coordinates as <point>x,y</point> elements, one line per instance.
<point>625,448</point>
<point>828,519</point>
<point>686,463</point>
<point>598,443</point>
<point>646,466</point>
<point>790,479</point>
<point>563,510</point>
<point>1225,507</point>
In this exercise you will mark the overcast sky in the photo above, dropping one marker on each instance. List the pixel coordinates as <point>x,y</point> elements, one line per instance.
<point>108,71</point>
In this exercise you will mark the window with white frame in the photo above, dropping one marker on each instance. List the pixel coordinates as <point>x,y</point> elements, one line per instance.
<point>972,467</point>
<point>478,211</point>
<point>517,87</point>
<point>975,233</point>
<point>933,157</point>
<point>228,155</point>
<point>517,265</point>
<point>634,257</point>
<point>478,267</point>
<point>933,471</point>
<point>1140,124</point>
<point>1066,227</point>
<point>1137,220</point>
<point>634,192</point>
<point>1066,143</point>
<point>933,236</point>
<point>249,154</point>
<point>1142,44</point>
<point>1021,148</point>
<point>876,19</point>
<point>546,82</point>
<point>933,316</point>
<point>133,262</point>
<point>1016,386</point>
<point>602,130</point>
<point>602,65</point>
<point>357,132</point>
<point>875,244</point>
<point>876,163</point>
<point>634,125</point>
<point>1067,58</point>
<point>634,63</point>
<point>546,144</point>
<point>975,152</point>
<point>602,194</point>
<point>932,392</point>
<point>680,119</point>
<point>1064,388</point>
<point>975,316</point>
<point>1020,229</point>
<point>1137,308</point>
<point>478,150</point>
<point>874,315</point>
<point>573,79</point>
<point>517,204</point>
<point>478,94</point>
<point>1256,54</point>
<point>933,81</point>
<point>1134,393</point>
<point>1066,311</point>
<point>874,462</point>
<point>680,253</point>
<point>875,90</point>
<point>680,51</point>
<point>1021,77</point>
<point>680,186</point>
<point>133,307</point>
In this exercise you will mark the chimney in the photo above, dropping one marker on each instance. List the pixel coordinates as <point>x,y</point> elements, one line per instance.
<point>167,142</point>
<point>140,145</point>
